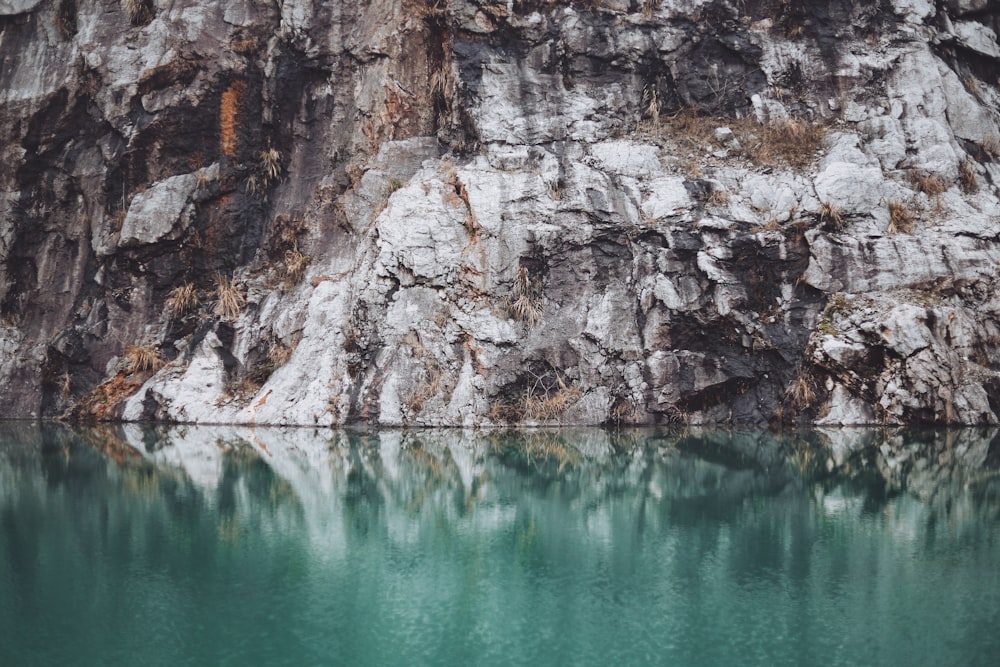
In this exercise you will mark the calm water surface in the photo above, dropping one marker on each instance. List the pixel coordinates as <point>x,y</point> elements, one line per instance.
<point>230,546</point>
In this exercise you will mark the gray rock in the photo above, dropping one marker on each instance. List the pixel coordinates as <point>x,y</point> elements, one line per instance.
<point>13,7</point>
<point>851,189</point>
<point>162,212</point>
<point>534,237</point>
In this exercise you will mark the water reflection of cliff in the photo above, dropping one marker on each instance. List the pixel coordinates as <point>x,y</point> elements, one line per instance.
<point>339,481</point>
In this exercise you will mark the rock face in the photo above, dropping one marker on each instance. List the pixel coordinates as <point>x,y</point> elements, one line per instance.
<point>474,212</point>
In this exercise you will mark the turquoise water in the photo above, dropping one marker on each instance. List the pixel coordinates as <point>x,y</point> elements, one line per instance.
<point>225,546</point>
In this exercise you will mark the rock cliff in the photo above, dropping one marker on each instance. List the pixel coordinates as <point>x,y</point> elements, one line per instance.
<point>475,212</point>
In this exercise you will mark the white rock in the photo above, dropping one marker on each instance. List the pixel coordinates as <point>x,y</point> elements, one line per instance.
<point>843,409</point>
<point>904,329</point>
<point>978,37</point>
<point>666,196</point>
<point>12,7</point>
<point>913,10</point>
<point>627,158</point>
<point>850,189</point>
<point>968,118</point>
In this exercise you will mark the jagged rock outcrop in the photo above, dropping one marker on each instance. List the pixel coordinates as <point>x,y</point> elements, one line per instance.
<point>473,212</point>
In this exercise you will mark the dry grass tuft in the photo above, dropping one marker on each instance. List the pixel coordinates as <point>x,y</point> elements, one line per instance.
<point>270,165</point>
<point>229,301</point>
<point>426,390</point>
<point>524,301</point>
<point>549,407</point>
<point>650,7</point>
<point>991,147</point>
<point>931,185</point>
<point>294,267</point>
<point>229,112</point>
<point>244,45</point>
<point>900,218</point>
<point>801,393</point>
<point>544,399</point>
<point>117,219</point>
<point>278,354</point>
<point>830,215</point>
<point>182,300</point>
<point>142,359</point>
<point>967,176</point>
<point>651,102</point>
<point>718,198</point>
<point>793,142</point>
<point>140,12</point>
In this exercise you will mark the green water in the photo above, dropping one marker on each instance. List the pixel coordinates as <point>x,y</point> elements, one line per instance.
<point>224,546</point>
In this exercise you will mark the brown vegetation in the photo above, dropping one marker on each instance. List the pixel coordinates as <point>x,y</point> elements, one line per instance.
<point>524,301</point>
<point>141,359</point>
<point>182,300</point>
<point>102,403</point>
<point>140,12</point>
<point>545,399</point>
<point>294,267</point>
<point>789,142</point>
<point>228,116</point>
<point>967,176</point>
<point>830,215</point>
<point>931,185</point>
<point>800,393</point>
<point>229,301</point>
<point>900,218</point>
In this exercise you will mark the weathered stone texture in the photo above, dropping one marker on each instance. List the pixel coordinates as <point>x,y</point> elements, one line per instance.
<point>473,212</point>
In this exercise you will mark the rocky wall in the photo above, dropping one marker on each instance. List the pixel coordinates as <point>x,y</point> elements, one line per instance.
<point>476,213</point>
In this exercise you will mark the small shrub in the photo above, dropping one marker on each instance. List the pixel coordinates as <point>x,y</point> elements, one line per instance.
<point>295,265</point>
<point>140,12</point>
<point>991,147</point>
<point>967,176</point>
<point>830,215</point>
<point>229,301</point>
<point>900,218</point>
<point>278,353</point>
<point>254,185</point>
<point>650,7</point>
<point>182,299</point>
<point>270,165</point>
<point>651,104</point>
<point>523,302</point>
<point>800,392</point>
<point>142,359</point>
<point>793,142</point>
<point>718,198</point>
<point>930,184</point>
